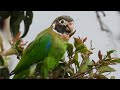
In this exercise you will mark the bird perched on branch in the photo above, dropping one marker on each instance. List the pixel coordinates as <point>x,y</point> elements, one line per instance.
<point>48,47</point>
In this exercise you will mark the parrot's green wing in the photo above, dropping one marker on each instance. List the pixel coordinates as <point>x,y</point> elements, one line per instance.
<point>36,51</point>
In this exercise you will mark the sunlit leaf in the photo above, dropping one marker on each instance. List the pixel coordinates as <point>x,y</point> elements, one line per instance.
<point>116,60</point>
<point>11,51</point>
<point>81,48</point>
<point>104,69</point>
<point>77,41</point>
<point>85,66</point>
<point>32,70</point>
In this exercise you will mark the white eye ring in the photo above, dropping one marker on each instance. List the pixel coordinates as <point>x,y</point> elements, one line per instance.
<point>63,22</point>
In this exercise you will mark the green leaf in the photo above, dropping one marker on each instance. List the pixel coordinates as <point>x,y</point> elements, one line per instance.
<point>4,72</point>
<point>1,44</point>
<point>1,61</point>
<point>57,74</point>
<point>112,77</point>
<point>4,15</point>
<point>10,51</point>
<point>110,52</point>
<point>104,69</point>
<point>86,65</point>
<point>77,41</point>
<point>81,48</point>
<point>69,49</point>
<point>27,22</point>
<point>116,60</point>
<point>76,60</point>
<point>32,70</point>
<point>98,76</point>
<point>15,20</point>
<point>91,73</point>
<point>70,71</point>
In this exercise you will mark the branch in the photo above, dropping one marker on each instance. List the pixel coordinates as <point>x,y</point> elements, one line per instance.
<point>102,25</point>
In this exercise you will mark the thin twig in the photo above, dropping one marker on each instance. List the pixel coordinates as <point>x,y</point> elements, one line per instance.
<point>105,28</point>
<point>102,25</point>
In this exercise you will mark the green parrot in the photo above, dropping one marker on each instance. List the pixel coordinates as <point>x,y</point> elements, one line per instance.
<point>48,47</point>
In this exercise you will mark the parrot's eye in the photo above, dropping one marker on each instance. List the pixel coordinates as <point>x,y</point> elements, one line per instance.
<point>62,21</point>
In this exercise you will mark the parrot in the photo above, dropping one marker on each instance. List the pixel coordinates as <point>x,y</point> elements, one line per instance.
<point>48,47</point>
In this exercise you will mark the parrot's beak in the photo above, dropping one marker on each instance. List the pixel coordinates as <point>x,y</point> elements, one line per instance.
<point>70,28</point>
<point>65,29</point>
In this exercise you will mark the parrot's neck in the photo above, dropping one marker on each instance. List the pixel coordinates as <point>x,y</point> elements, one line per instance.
<point>62,36</point>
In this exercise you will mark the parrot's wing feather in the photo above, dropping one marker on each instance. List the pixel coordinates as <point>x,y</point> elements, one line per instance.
<point>36,51</point>
<point>34,42</point>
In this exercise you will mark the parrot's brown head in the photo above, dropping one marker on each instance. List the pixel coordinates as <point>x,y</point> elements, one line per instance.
<point>64,25</point>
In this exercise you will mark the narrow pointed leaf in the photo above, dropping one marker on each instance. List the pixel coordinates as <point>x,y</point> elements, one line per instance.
<point>4,15</point>
<point>104,69</point>
<point>110,52</point>
<point>116,60</point>
<point>1,61</point>
<point>81,48</point>
<point>70,49</point>
<point>85,66</point>
<point>100,55</point>
<point>70,71</point>
<point>77,41</point>
<point>76,60</point>
<point>15,20</point>
<point>98,76</point>
<point>84,40</point>
<point>27,22</point>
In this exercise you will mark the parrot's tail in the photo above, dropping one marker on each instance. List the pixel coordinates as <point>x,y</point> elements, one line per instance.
<point>11,73</point>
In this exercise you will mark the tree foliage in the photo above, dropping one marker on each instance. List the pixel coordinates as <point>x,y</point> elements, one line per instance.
<point>78,66</point>
<point>16,17</point>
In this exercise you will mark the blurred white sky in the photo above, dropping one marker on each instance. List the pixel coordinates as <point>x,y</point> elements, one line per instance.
<point>86,25</point>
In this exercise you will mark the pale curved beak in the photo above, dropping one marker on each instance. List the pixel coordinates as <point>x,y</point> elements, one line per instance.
<point>71,28</point>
